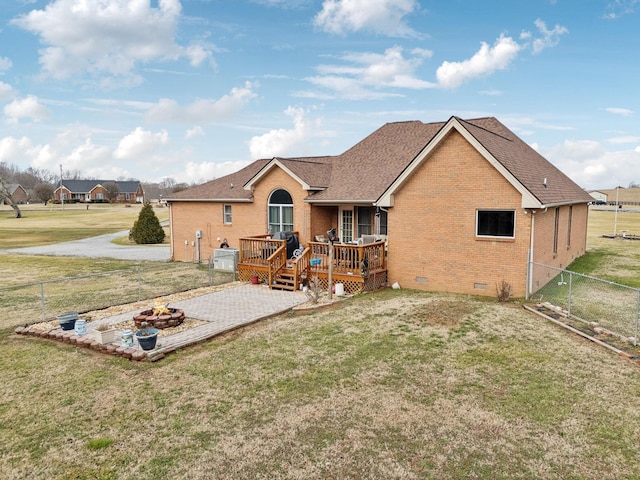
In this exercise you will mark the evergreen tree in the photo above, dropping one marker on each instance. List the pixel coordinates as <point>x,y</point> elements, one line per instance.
<point>147,229</point>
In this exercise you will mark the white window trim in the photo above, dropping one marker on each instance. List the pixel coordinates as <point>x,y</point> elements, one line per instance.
<point>501,237</point>
<point>224,214</point>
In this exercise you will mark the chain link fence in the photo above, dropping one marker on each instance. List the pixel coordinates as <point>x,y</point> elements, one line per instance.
<point>42,301</point>
<point>612,306</point>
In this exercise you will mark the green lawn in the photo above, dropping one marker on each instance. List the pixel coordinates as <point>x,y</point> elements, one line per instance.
<point>397,384</point>
<point>613,259</point>
<point>42,225</point>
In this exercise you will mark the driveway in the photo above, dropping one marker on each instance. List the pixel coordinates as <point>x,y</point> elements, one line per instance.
<point>99,247</point>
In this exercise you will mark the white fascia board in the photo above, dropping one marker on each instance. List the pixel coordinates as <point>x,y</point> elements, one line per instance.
<point>342,201</point>
<point>386,199</point>
<point>275,162</point>
<point>209,200</point>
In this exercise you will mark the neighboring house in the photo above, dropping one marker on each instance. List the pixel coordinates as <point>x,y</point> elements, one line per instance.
<point>620,196</point>
<point>598,195</point>
<point>94,191</point>
<point>17,192</point>
<point>460,206</point>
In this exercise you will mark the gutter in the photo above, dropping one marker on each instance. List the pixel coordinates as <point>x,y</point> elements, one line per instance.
<point>218,200</point>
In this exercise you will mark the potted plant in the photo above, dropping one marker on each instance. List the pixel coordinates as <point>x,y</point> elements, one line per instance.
<point>105,334</point>
<point>147,338</point>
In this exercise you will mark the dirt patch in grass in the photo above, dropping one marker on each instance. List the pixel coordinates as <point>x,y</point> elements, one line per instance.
<point>443,312</point>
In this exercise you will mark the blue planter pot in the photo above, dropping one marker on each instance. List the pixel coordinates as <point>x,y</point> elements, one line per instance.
<point>67,321</point>
<point>147,338</point>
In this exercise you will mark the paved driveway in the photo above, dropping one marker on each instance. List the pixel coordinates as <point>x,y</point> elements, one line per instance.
<point>99,247</point>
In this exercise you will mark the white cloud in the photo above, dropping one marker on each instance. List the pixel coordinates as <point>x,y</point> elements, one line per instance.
<point>88,158</point>
<point>625,112</point>
<point>140,144</point>
<point>618,8</point>
<point>627,139</point>
<point>283,142</point>
<point>366,73</point>
<point>5,64</point>
<point>591,166</point>
<point>196,131</point>
<point>13,149</point>
<point>385,17</point>
<point>484,62</point>
<point>488,59</point>
<point>6,91</point>
<point>107,37</point>
<point>550,38</point>
<point>28,107</point>
<point>203,110</point>
<point>194,172</point>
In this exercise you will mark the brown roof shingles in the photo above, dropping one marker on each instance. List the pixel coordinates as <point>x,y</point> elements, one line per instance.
<point>525,164</point>
<point>366,170</point>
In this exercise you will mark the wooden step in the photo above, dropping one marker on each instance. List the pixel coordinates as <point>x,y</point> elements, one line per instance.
<point>284,282</point>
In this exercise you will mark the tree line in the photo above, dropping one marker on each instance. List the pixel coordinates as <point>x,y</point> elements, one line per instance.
<point>40,184</point>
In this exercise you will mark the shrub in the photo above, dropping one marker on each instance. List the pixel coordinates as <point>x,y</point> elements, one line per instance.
<point>147,229</point>
<point>503,291</point>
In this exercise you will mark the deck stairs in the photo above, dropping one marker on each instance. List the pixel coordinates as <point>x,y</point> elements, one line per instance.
<point>284,280</point>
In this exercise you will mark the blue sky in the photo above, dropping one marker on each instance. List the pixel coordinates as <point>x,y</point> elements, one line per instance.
<point>196,89</point>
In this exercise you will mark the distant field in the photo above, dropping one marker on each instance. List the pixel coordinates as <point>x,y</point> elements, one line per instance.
<point>613,259</point>
<point>42,225</point>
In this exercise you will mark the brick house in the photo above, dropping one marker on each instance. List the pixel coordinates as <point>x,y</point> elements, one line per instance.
<point>86,191</point>
<point>18,194</point>
<point>456,206</point>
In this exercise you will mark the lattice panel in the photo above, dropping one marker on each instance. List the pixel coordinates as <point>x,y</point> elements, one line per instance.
<point>375,282</point>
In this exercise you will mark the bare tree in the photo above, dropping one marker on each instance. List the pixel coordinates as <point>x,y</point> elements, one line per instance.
<point>111,191</point>
<point>44,192</point>
<point>5,194</point>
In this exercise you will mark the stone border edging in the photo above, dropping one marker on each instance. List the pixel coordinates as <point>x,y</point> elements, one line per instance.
<point>86,341</point>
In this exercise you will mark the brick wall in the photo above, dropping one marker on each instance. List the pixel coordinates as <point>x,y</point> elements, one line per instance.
<point>248,219</point>
<point>432,226</point>
<point>569,247</point>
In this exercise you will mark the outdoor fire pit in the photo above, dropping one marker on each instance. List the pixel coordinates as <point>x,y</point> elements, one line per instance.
<point>159,317</point>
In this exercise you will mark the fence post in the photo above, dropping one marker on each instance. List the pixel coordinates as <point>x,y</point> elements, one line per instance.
<point>570,292</point>
<point>635,335</point>
<point>44,309</point>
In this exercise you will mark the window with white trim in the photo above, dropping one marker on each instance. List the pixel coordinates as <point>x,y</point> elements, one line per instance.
<point>495,223</point>
<point>280,211</point>
<point>364,221</point>
<point>226,214</point>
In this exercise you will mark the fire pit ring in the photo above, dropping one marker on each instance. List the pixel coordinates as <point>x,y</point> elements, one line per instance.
<point>148,318</point>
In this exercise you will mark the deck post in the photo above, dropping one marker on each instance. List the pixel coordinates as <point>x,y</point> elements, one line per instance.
<point>330,279</point>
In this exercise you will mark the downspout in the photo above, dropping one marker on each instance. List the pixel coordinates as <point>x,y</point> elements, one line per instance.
<point>530,267</point>
<point>529,288</point>
<point>172,243</point>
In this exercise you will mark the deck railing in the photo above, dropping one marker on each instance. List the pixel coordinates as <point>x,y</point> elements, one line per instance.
<point>266,257</point>
<point>257,249</point>
<point>350,259</point>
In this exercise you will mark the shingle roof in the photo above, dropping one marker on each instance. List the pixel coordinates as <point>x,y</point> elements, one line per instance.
<point>367,170</point>
<point>229,187</point>
<point>85,186</point>
<point>525,164</point>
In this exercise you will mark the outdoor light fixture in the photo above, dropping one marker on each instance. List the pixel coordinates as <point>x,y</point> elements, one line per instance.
<point>332,235</point>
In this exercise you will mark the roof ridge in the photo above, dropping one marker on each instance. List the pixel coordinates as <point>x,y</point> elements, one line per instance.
<point>483,128</point>
<point>305,159</point>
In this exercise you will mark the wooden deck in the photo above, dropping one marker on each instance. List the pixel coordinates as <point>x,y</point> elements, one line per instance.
<point>360,268</point>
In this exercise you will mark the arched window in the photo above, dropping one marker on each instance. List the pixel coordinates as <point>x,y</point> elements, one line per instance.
<point>280,212</point>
